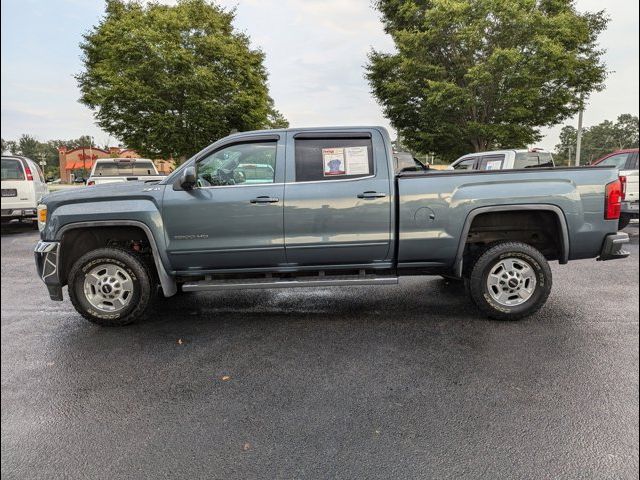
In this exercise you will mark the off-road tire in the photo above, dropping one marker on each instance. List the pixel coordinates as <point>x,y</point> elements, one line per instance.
<point>137,270</point>
<point>482,267</point>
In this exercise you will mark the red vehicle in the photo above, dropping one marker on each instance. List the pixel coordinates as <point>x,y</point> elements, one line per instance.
<point>627,163</point>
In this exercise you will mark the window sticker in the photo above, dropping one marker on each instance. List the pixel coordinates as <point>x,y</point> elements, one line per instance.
<point>494,165</point>
<point>357,160</point>
<point>333,162</point>
<point>345,161</point>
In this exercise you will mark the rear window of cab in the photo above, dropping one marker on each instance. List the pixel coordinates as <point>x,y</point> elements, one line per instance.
<point>12,169</point>
<point>123,169</point>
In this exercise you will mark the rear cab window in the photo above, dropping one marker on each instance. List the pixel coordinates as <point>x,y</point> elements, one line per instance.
<point>123,169</point>
<point>12,169</point>
<point>533,160</point>
<point>326,159</point>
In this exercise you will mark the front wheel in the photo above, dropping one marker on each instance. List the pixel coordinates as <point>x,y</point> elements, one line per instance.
<point>110,287</point>
<point>509,281</point>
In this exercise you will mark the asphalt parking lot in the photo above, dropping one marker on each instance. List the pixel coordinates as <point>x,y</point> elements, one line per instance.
<point>393,382</point>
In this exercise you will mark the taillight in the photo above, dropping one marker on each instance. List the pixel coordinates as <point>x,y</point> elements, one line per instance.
<point>613,200</point>
<point>91,182</point>
<point>623,187</point>
<point>28,173</point>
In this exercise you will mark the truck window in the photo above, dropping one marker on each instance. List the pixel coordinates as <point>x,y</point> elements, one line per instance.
<point>527,160</point>
<point>491,162</point>
<point>239,164</point>
<point>545,159</point>
<point>136,168</point>
<point>632,163</point>
<point>619,160</point>
<point>12,169</point>
<point>333,158</point>
<point>466,164</point>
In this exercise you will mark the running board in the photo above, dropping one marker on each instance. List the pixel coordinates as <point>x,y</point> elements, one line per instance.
<point>286,283</point>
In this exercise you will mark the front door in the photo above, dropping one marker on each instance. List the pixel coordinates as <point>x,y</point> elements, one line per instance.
<point>234,216</point>
<point>337,200</point>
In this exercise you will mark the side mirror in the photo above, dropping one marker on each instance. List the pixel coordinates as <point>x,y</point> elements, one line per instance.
<point>188,179</point>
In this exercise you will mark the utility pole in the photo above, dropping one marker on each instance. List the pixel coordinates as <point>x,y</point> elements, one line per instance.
<point>579,136</point>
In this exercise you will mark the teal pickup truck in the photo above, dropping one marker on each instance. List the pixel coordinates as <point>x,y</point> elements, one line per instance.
<point>322,207</point>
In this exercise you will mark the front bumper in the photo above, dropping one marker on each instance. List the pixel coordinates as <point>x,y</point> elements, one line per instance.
<point>612,247</point>
<point>47,255</point>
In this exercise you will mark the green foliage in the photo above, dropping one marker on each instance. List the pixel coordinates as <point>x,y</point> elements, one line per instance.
<point>169,80</point>
<point>598,140</point>
<point>484,74</point>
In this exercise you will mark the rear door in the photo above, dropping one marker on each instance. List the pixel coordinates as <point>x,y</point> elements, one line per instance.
<point>337,199</point>
<point>491,162</point>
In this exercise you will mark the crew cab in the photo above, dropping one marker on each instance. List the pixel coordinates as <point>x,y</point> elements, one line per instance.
<point>330,211</point>
<point>626,161</point>
<point>504,160</point>
<point>23,185</point>
<point>115,170</point>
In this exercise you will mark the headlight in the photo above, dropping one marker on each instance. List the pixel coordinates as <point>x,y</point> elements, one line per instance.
<point>42,216</point>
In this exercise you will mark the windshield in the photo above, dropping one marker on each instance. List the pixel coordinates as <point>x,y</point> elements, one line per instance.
<point>11,169</point>
<point>125,169</point>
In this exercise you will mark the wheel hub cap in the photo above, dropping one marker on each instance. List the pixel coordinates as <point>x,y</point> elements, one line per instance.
<point>108,288</point>
<point>511,282</point>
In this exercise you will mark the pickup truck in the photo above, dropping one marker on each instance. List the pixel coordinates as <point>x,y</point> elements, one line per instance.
<point>116,170</point>
<point>504,160</point>
<point>330,211</point>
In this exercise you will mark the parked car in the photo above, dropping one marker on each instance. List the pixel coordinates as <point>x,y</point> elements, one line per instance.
<point>115,170</point>
<point>626,161</point>
<point>23,186</point>
<point>299,227</point>
<point>504,160</point>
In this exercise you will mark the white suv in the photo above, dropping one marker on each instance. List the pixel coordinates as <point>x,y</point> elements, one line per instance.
<point>504,160</point>
<point>23,186</point>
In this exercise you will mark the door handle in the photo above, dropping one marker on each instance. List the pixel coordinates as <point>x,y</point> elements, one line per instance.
<point>265,199</point>
<point>371,195</point>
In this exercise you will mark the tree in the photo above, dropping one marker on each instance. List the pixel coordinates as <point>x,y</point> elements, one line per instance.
<point>484,74</point>
<point>169,80</point>
<point>598,140</point>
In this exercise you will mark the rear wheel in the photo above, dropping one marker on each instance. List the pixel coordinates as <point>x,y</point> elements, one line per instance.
<point>510,280</point>
<point>110,287</point>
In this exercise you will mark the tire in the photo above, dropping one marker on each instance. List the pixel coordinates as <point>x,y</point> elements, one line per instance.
<point>510,281</point>
<point>110,276</point>
<point>624,222</point>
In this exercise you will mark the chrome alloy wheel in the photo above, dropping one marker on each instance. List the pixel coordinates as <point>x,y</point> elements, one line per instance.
<point>108,288</point>
<point>511,282</point>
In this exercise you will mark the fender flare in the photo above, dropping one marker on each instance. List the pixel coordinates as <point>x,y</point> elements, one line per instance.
<point>168,283</point>
<point>562,222</point>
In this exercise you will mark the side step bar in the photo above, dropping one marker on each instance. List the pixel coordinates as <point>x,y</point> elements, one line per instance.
<point>285,283</point>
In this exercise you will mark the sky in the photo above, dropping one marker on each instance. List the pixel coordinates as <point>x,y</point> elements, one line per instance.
<point>315,53</point>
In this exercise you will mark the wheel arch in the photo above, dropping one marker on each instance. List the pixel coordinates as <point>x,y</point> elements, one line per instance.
<point>167,282</point>
<point>523,208</point>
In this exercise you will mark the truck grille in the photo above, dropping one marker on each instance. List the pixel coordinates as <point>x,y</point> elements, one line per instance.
<point>9,192</point>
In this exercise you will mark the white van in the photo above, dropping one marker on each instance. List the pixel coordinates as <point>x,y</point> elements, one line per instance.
<point>504,160</point>
<point>23,186</point>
